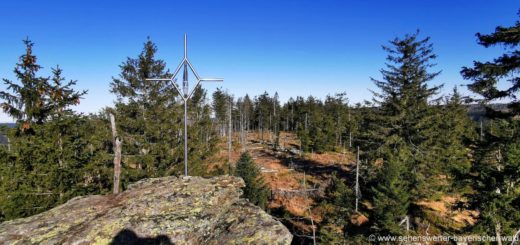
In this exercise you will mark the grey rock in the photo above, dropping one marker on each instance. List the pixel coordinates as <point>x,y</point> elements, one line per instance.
<point>168,210</point>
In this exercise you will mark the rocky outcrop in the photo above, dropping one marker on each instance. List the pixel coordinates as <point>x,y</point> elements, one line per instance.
<point>169,210</point>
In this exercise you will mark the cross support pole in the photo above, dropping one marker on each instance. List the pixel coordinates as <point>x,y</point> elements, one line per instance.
<point>185,92</point>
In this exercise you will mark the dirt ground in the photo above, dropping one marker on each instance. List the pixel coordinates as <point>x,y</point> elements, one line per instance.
<point>293,177</point>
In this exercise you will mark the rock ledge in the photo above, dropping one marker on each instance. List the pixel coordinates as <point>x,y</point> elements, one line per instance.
<point>168,210</point>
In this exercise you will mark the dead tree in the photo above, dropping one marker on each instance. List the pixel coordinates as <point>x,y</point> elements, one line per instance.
<point>498,231</point>
<point>406,222</point>
<point>516,238</point>
<point>230,131</point>
<point>310,213</point>
<point>357,179</point>
<point>349,131</point>
<point>117,143</point>
<point>313,226</point>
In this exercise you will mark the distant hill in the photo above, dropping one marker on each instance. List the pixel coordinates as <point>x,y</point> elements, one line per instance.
<point>9,125</point>
<point>478,111</point>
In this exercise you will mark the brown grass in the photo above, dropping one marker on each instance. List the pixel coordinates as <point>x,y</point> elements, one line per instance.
<point>445,209</point>
<point>279,177</point>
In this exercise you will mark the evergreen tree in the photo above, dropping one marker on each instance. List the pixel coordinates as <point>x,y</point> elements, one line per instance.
<point>220,106</point>
<point>34,99</point>
<point>402,133</point>
<point>263,110</point>
<point>256,190</point>
<point>145,113</point>
<point>203,139</point>
<point>248,111</point>
<point>150,119</point>
<point>497,165</point>
<point>46,162</point>
<point>391,197</point>
<point>457,133</point>
<point>486,75</point>
<point>62,96</point>
<point>341,198</point>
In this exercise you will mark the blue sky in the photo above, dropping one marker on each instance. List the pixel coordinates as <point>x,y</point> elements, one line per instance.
<point>294,47</point>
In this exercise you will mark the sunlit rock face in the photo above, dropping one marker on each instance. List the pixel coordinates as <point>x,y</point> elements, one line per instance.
<point>169,210</point>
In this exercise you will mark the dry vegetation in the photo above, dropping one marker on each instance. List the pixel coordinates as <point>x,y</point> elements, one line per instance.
<point>284,172</point>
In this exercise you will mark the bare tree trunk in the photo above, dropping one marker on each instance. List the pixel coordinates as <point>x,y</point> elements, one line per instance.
<point>516,238</point>
<point>60,147</point>
<point>230,129</point>
<point>270,129</point>
<point>350,139</point>
<point>292,118</point>
<point>498,229</point>
<point>117,154</point>
<point>306,119</point>
<point>338,132</point>
<point>262,127</point>
<point>357,179</point>
<point>313,228</point>
<point>349,131</point>
<point>242,136</point>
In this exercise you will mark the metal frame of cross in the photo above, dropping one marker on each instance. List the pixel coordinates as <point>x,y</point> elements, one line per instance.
<point>186,93</point>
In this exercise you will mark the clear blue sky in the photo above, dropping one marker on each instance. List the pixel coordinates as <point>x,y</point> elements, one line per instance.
<point>294,47</point>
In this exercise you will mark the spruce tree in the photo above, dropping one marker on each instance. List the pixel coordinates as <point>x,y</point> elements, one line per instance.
<point>400,133</point>
<point>220,106</point>
<point>487,75</point>
<point>203,139</point>
<point>339,204</point>
<point>263,110</point>
<point>29,102</point>
<point>457,134</point>
<point>146,114</point>
<point>149,115</point>
<point>248,111</point>
<point>256,190</point>
<point>45,165</point>
<point>391,197</point>
<point>497,167</point>
<point>62,96</point>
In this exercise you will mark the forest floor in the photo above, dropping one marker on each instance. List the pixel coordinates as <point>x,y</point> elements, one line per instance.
<point>298,182</point>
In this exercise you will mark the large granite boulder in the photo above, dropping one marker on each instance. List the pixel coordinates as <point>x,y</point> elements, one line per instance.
<point>169,210</point>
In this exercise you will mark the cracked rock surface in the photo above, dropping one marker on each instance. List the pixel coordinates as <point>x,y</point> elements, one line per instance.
<point>168,210</point>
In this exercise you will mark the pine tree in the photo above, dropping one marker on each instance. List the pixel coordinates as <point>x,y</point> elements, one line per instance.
<point>256,190</point>
<point>497,166</point>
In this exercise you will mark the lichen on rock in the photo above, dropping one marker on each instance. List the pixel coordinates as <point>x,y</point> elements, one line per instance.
<point>168,210</point>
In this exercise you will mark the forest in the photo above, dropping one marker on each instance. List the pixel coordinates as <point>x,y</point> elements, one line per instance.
<point>408,161</point>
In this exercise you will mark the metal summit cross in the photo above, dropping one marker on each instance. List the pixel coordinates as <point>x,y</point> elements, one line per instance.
<point>186,93</point>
